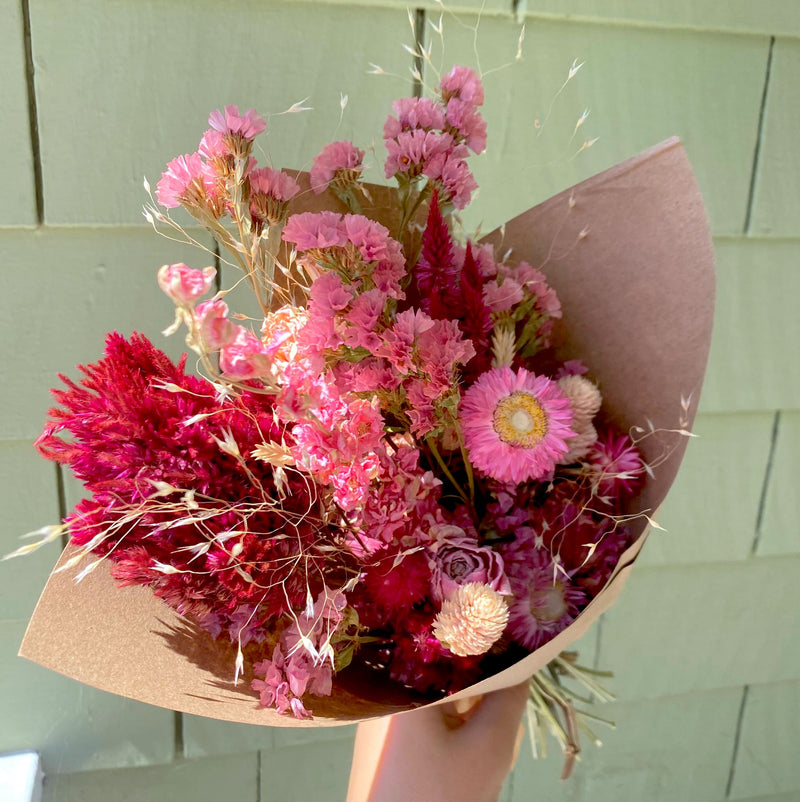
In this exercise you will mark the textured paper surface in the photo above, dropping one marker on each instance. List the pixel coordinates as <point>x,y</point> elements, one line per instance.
<point>630,255</point>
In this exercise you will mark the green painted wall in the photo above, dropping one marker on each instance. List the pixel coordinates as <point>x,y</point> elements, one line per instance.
<point>704,641</point>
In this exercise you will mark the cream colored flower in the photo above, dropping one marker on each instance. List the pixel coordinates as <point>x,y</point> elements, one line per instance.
<point>585,400</point>
<point>471,620</point>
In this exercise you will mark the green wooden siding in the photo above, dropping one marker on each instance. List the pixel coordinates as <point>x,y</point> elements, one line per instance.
<point>703,641</point>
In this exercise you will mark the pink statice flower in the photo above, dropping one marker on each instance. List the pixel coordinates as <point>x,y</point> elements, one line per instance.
<point>185,182</point>
<point>270,193</point>
<point>183,284</point>
<point>466,124</point>
<point>412,153</point>
<point>413,113</point>
<point>515,424</point>
<point>313,230</point>
<point>340,163</point>
<point>545,600</point>
<point>230,122</point>
<point>572,367</point>
<point>464,84</point>
<point>215,329</point>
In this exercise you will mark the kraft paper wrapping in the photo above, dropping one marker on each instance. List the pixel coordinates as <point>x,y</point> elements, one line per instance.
<point>630,255</point>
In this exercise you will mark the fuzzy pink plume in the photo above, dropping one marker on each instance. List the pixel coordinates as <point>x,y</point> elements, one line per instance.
<point>156,451</point>
<point>515,424</point>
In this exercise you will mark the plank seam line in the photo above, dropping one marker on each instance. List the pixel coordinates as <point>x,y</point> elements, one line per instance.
<point>33,115</point>
<point>418,26</point>
<point>762,501</point>
<point>736,739</point>
<point>217,267</point>
<point>258,775</point>
<point>751,193</point>
<point>598,642</point>
<point>179,743</point>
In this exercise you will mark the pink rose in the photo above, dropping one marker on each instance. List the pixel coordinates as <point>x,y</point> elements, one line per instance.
<point>461,559</point>
<point>184,284</point>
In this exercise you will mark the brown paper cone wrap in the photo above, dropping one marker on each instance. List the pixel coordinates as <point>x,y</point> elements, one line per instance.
<point>630,255</point>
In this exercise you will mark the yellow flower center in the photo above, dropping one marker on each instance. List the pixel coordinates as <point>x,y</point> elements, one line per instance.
<point>519,420</point>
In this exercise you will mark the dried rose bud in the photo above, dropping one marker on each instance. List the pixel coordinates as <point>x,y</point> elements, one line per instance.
<point>184,284</point>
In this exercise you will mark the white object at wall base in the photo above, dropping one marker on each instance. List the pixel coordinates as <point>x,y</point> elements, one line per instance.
<point>20,777</point>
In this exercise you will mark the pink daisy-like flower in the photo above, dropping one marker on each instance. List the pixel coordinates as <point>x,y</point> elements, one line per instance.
<point>545,601</point>
<point>515,424</point>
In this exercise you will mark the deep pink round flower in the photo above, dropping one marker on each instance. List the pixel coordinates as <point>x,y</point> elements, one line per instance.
<point>545,601</point>
<point>615,463</point>
<point>515,424</point>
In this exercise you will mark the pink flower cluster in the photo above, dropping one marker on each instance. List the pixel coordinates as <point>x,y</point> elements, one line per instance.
<point>432,138</point>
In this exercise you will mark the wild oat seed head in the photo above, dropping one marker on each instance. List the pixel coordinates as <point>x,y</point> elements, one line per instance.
<point>471,620</point>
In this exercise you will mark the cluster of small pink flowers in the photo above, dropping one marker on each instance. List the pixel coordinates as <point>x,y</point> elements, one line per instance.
<point>433,139</point>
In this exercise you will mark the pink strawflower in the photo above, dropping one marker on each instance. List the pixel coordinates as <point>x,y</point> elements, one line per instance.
<point>245,357</point>
<point>545,600</point>
<point>185,182</point>
<point>515,424</point>
<point>615,464</point>
<point>248,125</point>
<point>211,319</point>
<point>464,84</point>
<point>338,162</point>
<point>183,284</point>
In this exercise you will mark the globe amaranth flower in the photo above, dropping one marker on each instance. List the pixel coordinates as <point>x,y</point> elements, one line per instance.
<point>472,620</point>
<point>515,424</point>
